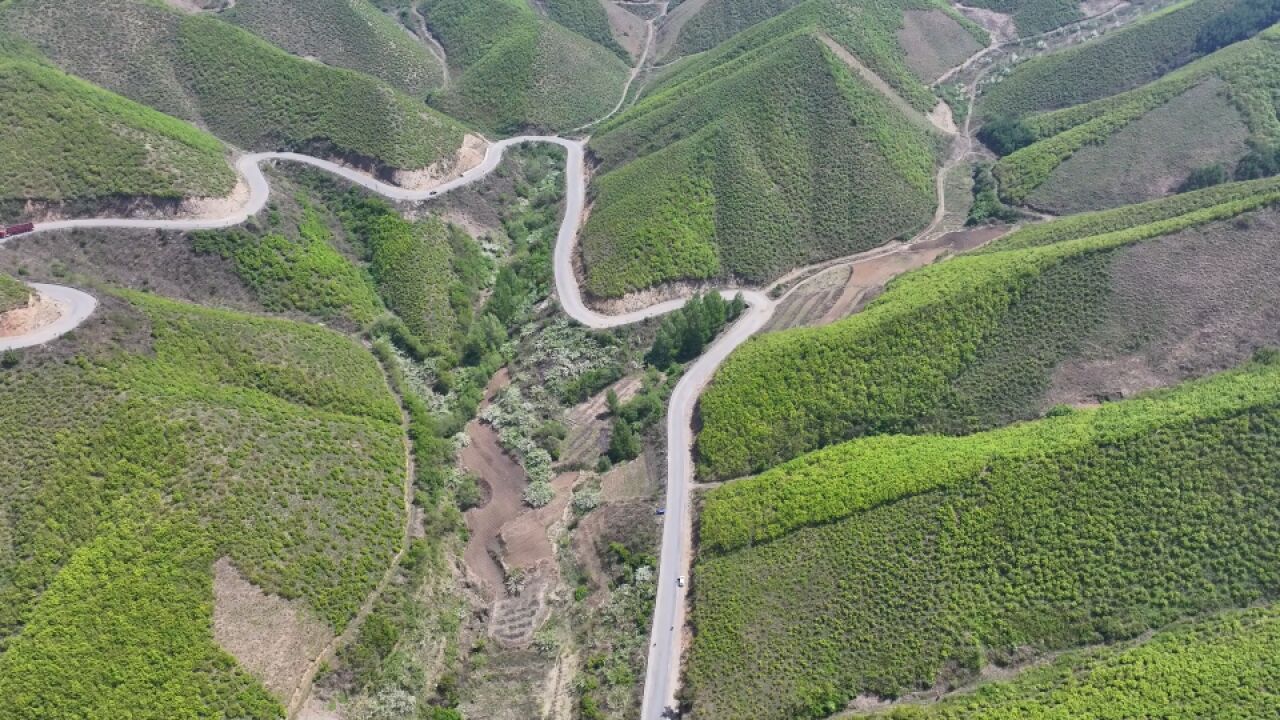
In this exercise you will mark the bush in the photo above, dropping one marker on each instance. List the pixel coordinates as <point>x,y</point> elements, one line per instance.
<point>1204,177</point>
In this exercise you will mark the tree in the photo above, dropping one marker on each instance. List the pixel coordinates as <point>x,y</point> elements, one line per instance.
<point>1005,135</point>
<point>623,443</point>
<point>611,400</point>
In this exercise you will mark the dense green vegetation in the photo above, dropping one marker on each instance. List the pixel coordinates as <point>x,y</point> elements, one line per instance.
<point>124,630</point>
<point>349,33</point>
<point>1118,61</point>
<point>1089,527</point>
<point>67,140</point>
<point>294,266</point>
<point>13,293</point>
<point>1250,72</point>
<point>763,154</point>
<point>1196,668</point>
<point>684,334</point>
<point>1035,16</point>
<point>957,346</point>
<point>279,441</point>
<point>719,20</point>
<point>241,88</point>
<point>516,70</point>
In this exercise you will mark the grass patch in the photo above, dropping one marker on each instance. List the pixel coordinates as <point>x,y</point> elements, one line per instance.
<point>1085,528</point>
<point>13,293</point>
<point>515,70</point>
<point>67,140</point>
<point>240,87</point>
<point>350,33</point>
<point>747,161</point>
<point>897,366</point>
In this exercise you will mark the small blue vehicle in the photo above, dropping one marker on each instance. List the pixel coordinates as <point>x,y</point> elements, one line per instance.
<point>661,511</point>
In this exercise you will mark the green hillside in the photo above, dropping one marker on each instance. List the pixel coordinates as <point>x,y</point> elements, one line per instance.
<point>13,293</point>
<point>272,443</point>
<point>1195,669</point>
<point>1035,16</point>
<point>716,21</point>
<point>957,346</point>
<point>1089,527</point>
<point>587,18</point>
<point>66,140</point>
<point>1248,74</point>
<point>239,87</point>
<point>1118,61</point>
<point>763,154</point>
<point>349,33</point>
<point>514,70</point>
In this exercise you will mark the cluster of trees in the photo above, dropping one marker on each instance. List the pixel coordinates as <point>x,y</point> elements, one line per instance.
<point>684,334</point>
<point>1240,20</point>
<point>1085,534</point>
<point>986,207</point>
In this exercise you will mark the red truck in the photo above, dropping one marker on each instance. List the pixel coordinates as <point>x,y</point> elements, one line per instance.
<point>16,229</point>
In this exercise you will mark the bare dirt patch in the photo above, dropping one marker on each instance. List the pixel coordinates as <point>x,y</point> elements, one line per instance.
<point>934,43</point>
<point>1000,26</point>
<point>39,312</point>
<point>669,33</point>
<point>506,481</point>
<point>468,156</point>
<point>1094,8</point>
<point>869,277</point>
<point>1182,306</point>
<point>273,638</point>
<point>630,480</point>
<point>1150,157</point>
<point>589,423</point>
<point>630,31</point>
<point>810,302</point>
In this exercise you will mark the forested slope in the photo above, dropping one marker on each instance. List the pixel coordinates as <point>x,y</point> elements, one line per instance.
<point>346,33</point>
<point>181,435</point>
<point>514,69</point>
<point>1247,73</point>
<point>1088,527</point>
<point>1122,59</point>
<point>66,141</point>
<point>1195,668</point>
<point>763,154</point>
<point>957,346</point>
<point>237,86</point>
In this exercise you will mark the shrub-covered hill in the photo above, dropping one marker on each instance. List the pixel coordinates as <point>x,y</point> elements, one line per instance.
<point>763,154</point>
<point>13,293</point>
<point>273,443</point>
<point>65,140</point>
<point>1194,669</point>
<point>588,18</point>
<point>1035,16</point>
<point>1247,72</point>
<point>1120,60</point>
<point>239,87</point>
<point>345,33</point>
<point>514,70</point>
<point>958,346</point>
<point>932,557</point>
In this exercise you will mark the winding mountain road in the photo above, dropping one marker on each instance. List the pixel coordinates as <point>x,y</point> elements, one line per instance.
<point>667,640</point>
<point>76,307</point>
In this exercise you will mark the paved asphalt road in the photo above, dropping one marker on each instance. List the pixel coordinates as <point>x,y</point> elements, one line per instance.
<point>79,306</point>
<point>667,638</point>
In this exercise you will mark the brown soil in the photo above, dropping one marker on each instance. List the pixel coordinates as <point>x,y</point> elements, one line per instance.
<point>999,25</point>
<point>39,312</point>
<point>273,638</point>
<point>869,277</point>
<point>630,480</point>
<point>1182,306</point>
<point>810,302</point>
<point>469,155</point>
<point>506,481</point>
<point>934,42</point>
<point>629,30</point>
